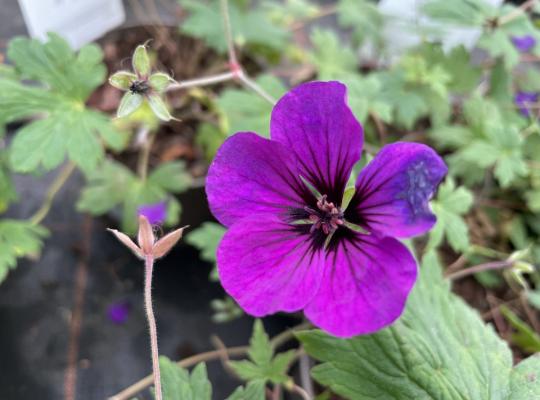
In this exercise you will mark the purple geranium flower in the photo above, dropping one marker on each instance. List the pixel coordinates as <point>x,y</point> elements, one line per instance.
<point>524,100</point>
<point>119,312</point>
<point>288,249</point>
<point>524,43</point>
<point>155,213</point>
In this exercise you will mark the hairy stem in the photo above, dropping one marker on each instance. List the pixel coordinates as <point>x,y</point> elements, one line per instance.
<point>233,60</point>
<point>490,266</point>
<point>236,68</point>
<point>208,80</point>
<point>251,84</point>
<point>57,184</point>
<point>149,266</point>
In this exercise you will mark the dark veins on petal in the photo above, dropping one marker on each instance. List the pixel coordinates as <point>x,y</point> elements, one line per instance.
<point>320,218</point>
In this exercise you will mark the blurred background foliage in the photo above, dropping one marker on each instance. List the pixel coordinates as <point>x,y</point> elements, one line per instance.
<point>473,98</point>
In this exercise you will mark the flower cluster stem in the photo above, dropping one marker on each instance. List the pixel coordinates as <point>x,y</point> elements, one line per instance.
<point>489,266</point>
<point>236,71</point>
<point>149,266</point>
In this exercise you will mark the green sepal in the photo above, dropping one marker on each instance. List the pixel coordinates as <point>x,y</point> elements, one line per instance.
<point>160,81</point>
<point>141,61</point>
<point>122,79</point>
<point>129,103</point>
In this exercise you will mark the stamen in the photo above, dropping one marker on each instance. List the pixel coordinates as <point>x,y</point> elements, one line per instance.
<point>328,217</point>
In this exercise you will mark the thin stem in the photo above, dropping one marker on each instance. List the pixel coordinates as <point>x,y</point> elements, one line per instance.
<point>251,84</point>
<point>144,156</point>
<point>209,80</point>
<point>299,390</point>
<point>233,60</point>
<point>490,266</point>
<point>305,378</point>
<point>149,266</point>
<point>236,68</point>
<point>517,12</point>
<point>276,342</point>
<point>57,184</point>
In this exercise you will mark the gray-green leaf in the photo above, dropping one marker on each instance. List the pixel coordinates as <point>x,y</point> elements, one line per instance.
<point>439,349</point>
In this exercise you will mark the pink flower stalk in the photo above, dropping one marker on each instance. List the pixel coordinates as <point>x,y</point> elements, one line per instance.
<point>150,250</point>
<point>292,243</point>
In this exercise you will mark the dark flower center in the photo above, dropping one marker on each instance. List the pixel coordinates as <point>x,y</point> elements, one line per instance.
<point>139,87</point>
<point>327,217</point>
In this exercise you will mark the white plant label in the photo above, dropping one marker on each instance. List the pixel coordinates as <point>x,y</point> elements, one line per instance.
<point>78,21</point>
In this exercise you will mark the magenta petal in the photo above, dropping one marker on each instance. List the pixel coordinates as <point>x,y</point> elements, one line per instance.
<point>314,121</point>
<point>393,191</point>
<point>266,266</point>
<point>366,283</point>
<point>251,175</point>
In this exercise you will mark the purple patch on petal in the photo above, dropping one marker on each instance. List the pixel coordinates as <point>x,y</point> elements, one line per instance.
<point>524,43</point>
<point>156,213</point>
<point>289,249</point>
<point>524,100</point>
<point>118,313</point>
<point>393,190</point>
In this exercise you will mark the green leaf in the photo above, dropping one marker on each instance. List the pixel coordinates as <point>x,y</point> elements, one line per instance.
<point>252,391</point>
<point>332,58</point>
<point>534,298</point>
<point>363,94</point>
<point>363,17</point>
<point>450,205</point>
<point>524,337</point>
<point>54,63</point>
<point>244,110</point>
<point>451,136</point>
<point>62,124</point>
<point>459,12</point>
<point>263,365</point>
<point>172,177</point>
<point>178,384</point>
<point>206,238</point>
<point>524,379</point>
<point>499,44</point>
<point>141,61</point>
<point>113,185</point>
<point>129,104</point>
<point>439,349</point>
<point>159,107</point>
<point>464,76</point>
<point>18,239</point>
<point>209,138</point>
<point>250,25</point>
<point>8,193</point>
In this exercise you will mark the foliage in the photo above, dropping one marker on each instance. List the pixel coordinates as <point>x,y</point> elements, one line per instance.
<point>242,110</point>
<point>113,184</point>
<point>179,384</point>
<point>18,239</point>
<point>450,205</point>
<point>439,348</point>
<point>250,23</point>
<point>206,238</point>
<point>263,365</point>
<point>66,125</point>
